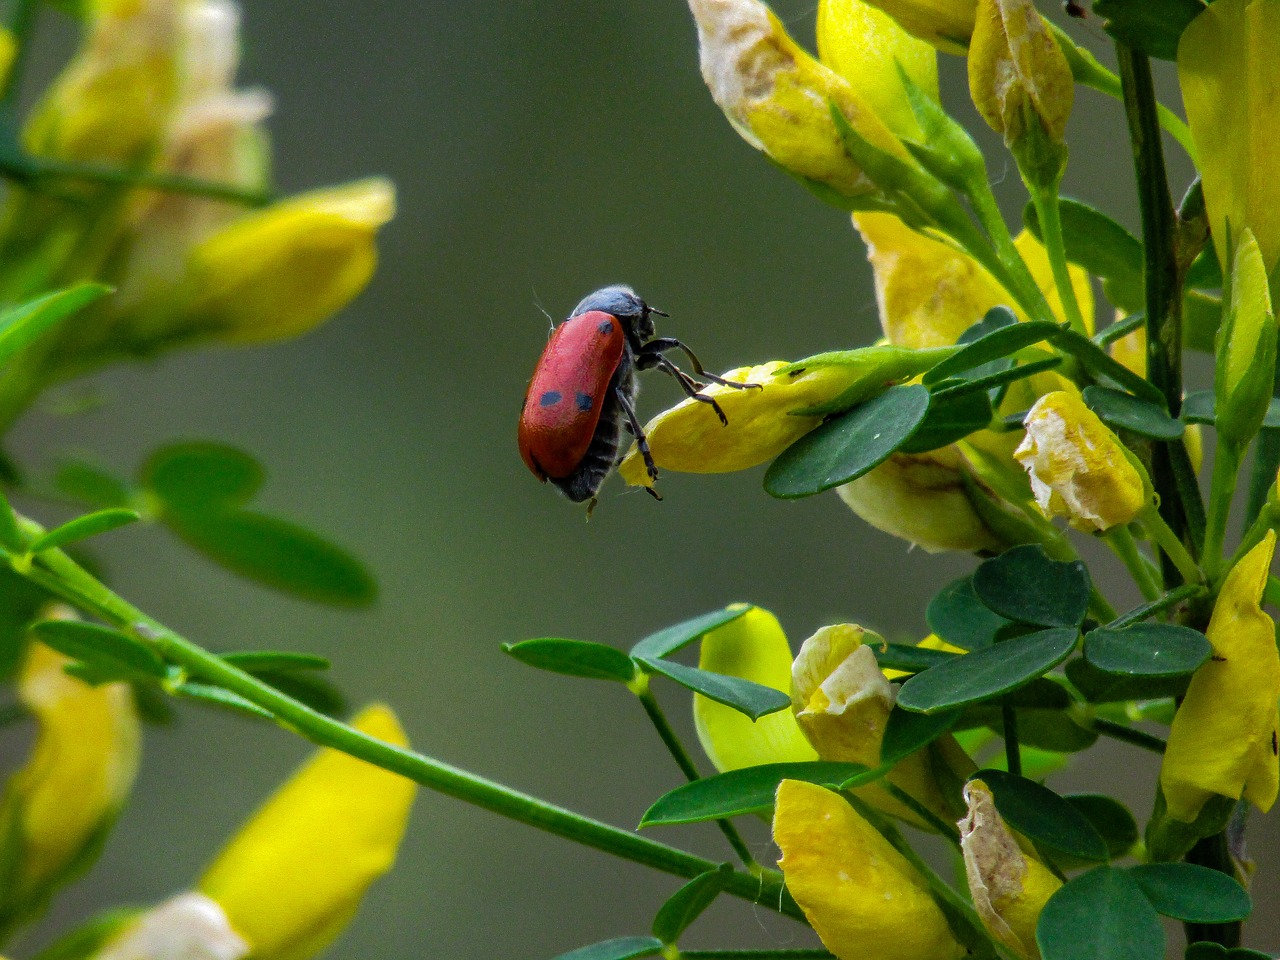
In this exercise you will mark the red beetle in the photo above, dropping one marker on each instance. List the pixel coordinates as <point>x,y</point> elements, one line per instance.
<point>584,387</point>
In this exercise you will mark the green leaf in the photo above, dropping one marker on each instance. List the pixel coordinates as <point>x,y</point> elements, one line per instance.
<point>22,325</point>
<point>1023,584</point>
<point>1110,817</point>
<point>81,528</point>
<point>953,390</point>
<point>899,656</point>
<point>667,641</point>
<point>21,602</point>
<point>687,903</point>
<point>1099,687</point>
<point>1102,913</point>
<point>91,484</point>
<point>274,661</point>
<point>848,446</point>
<point>574,658</point>
<point>1123,411</point>
<point>1104,368</point>
<point>1201,950</point>
<point>1147,649</point>
<point>316,692</point>
<point>957,615</point>
<point>11,535</point>
<point>749,790</point>
<point>1191,893</point>
<point>1150,26</point>
<point>1205,271</point>
<point>950,420</point>
<point>906,732</point>
<point>101,647</point>
<point>623,948</point>
<point>1198,408</point>
<point>278,554</point>
<point>218,697</point>
<point>1045,729</point>
<point>202,477</point>
<point>1003,341</point>
<point>1041,815</point>
<point>1101,246</point>
<point>987,673</point>
<point>753,699</point>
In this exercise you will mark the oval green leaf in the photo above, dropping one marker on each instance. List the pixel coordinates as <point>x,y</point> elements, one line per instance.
<point>1001,342</point>
<point>278,554</point>
<point>899,656</point>
<point>202,477</point>
<point>988,673</point>
<point>1147,649</point>
<point>623,948</point>
<point>574,658</point>
<point>749,790</point>
<point>1111,818</point>
<point>847,446</point>
<point>957,615</point>
<point>1104,368</point>
<point>91,484</point>
<point>1099,687</point>
<point>1123,411</point>
<point>753,699</point>
<point>1102,913</point>
<point>950,420</point>
<point>688,903</point>
<point>906,732</point>
<point>82,528</point>
<point>1198,407</point>
<point>670,639</point>
<point>103,647</point>
<point>1192,893</point>
<point>1023,584</point>
<point>1041,815</point>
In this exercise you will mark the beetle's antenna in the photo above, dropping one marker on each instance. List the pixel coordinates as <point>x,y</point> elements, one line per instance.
<point>537,302</point>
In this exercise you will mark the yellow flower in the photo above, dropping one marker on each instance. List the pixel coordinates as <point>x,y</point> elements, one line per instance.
<point>1078,467</point>
<point>755,648</point>
<point>779,98</point>
<point>690,438</point>
<point>842,701</point>
<point>866,46</point>
<point>1009,887</point>
<point>279,272</point>
<point>947,24</point>
<point>1224,735</point>
<point>57,807</point>
<point>1246,347</point>
<point>292,878</point>
<point>1229,66</point>
<point>861,896</point>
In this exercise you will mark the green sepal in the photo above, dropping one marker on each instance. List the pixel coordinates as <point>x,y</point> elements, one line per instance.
<point>1169,839</point>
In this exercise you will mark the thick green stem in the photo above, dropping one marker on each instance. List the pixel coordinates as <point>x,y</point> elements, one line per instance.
<point>1121,542</point>
<point>60,575</point>
<point>1154,523</point>
<point>35,172</point>
<point>1118,731</point>
<point>1046,203</point>
<point>681,756</point>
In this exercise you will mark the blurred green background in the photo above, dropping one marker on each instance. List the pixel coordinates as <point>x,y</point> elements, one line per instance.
<point>542,149</point>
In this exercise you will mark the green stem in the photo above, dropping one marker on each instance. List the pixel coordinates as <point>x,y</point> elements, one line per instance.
<point>1016,275</point>
<point>1226,469</point>
<point>1045,199</point>
<point>1122,544</point>
<point>1118,731</point>
<point>1009,728</point>
<point>1163,534</point>
<point>34,171</point>
<point>944,828</point>
<point>1100,606</point>
<point>60,575</point>
<point>685,762</point>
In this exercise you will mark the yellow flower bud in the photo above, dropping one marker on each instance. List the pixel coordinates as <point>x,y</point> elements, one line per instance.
<point>862,897</point>
<point>1021,82</point>
<point>1228,63</point>
<point>1246,347</point>
<point>281,271</point>
<point>866,46</point>
<point>1009,886</point>
<point>189,926</point>
<point>779,98</point>
<point>947,24</point>
<point>925,499</point>
<point>754,648</point>
<point>81,769</point>
<point>292,878</point>
<point>1224,736</point>
<point>842,700</point>
<point>1078,468</point>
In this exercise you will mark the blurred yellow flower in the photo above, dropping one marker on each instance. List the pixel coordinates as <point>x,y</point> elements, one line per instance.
<point>1078,468</point>
<point>1224,736</point>
<point>947,24</point>
<point>861,896</point>
<point>189,926</point>
<point>1009,886</point>
<point>292,878</point>
<point>58,807</point>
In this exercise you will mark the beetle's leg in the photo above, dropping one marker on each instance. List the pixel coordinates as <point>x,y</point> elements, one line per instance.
<point>689,385</point>
<point>662,344</point>
<point>637,431</point>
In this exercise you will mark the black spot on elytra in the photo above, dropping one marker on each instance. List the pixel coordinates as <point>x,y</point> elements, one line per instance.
<point>605,328</point>
<point>1275,747</point>
<point>585,402</point>
<point>550,398</point>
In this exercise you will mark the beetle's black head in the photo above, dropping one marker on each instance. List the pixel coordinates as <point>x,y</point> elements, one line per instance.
<point>621,301</point>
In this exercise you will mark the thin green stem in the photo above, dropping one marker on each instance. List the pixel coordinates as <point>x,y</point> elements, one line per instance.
<point>60,575</point>
<point>1100,606</point>
<point>1017,276</point>
<point>35,171</point>
<point>1009,729</point>
<point>1118,731</point>
<point>1226,470</point>
<point>1159,605</point>
<point>944,828</point>
<point>1162,534</point>
<point>1122,544</point>
<point>685,762</point>
<point>1046,204</point>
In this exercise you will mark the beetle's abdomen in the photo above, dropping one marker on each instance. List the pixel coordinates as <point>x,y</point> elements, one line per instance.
<point>567,393</point>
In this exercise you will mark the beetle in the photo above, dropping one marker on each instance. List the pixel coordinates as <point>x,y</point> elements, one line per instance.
<point>582,393</point>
